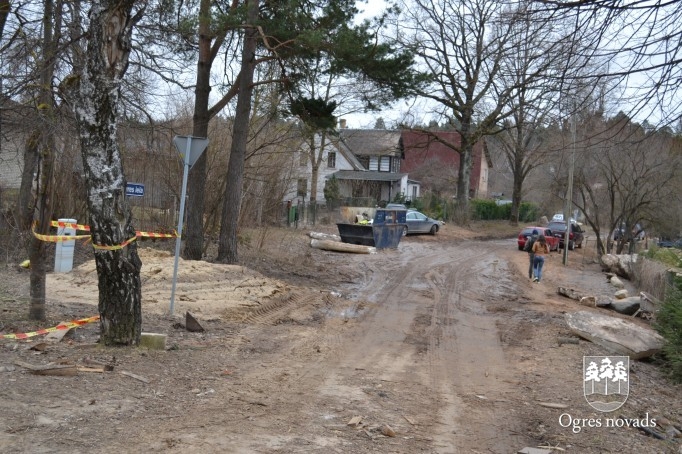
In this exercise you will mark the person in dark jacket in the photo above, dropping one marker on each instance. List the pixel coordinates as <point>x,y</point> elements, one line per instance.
<point>528,247</point>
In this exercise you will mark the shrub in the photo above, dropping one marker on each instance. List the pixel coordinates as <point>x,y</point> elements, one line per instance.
<point>669,325</point>
<point>488,210</point>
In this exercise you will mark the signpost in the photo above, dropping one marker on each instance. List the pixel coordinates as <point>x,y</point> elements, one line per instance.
<point>190,149</point>
<point>134,189</point>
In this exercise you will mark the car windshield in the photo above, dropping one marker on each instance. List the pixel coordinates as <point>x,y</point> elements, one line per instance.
<point>557,226</point>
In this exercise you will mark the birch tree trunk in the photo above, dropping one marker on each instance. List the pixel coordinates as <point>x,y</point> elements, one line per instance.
<point>110,218</point>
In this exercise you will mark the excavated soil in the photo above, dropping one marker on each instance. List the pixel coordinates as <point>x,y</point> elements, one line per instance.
<point>442,345</point>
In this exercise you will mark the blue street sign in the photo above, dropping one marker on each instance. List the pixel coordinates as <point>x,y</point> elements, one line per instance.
<point>134,189</point>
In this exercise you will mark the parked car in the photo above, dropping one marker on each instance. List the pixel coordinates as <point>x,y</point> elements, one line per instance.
<point>665,242</point>
<point>575,236</point>
<point>560,217</point>
<point>420,223</point>
<point>396,206</point>
<point>526,233</point>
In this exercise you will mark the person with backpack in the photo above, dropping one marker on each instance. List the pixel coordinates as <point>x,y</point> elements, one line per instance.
<point>528,247</point>
<point>540,250</point>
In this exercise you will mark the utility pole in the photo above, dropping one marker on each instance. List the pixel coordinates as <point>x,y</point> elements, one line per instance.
<point>569,191</point>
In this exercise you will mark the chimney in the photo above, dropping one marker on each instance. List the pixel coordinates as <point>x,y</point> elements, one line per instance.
<point>342,123</point>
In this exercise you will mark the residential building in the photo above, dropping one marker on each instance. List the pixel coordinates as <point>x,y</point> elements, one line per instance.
<point>430,157</point>
<point>365,162</point>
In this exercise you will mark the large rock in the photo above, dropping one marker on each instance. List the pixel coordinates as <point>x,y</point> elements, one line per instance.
<point>616,282</point>
<point>621,265</point>
<point>617,335</point>
<point>627,306</point>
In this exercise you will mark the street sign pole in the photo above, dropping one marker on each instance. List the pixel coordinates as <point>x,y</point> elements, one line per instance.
<point>181,216</point>
<point>190,156</point>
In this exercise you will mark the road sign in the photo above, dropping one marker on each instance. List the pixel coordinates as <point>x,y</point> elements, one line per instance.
<point>190,148</point>
<point>134,189</point>
<point>197,145</point>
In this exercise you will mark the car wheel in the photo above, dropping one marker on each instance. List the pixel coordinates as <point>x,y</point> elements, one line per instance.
<point>434,229</point>
<point>404,231</point>
<point>571,246</point>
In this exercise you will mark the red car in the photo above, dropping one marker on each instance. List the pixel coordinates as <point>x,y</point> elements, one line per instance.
<point>549,236</point>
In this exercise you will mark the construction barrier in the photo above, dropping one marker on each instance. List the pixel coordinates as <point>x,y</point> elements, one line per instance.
<point>61,326</point>
<point>86,228</point>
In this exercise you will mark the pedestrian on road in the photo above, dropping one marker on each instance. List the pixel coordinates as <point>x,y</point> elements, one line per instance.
<point>528,247</point>
<point>540,249</point>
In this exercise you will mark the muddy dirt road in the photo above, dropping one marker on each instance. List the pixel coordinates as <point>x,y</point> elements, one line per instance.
<point>440,346</point>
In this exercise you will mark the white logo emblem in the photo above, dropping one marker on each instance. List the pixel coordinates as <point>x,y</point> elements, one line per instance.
<point>605,381</point>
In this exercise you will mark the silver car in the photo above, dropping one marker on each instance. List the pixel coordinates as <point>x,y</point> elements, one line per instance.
<point>420,223</point>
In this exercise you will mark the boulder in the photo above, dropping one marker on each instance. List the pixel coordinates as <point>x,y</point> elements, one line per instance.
<point>602,301</point>
<point>590,301</point>
<point>627,306</point>
<point>621,265</point>
<point>619,336</point>
<point>621,294</point>
<point>617,282</point>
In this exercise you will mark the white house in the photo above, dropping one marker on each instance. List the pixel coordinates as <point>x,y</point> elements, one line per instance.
<point>366,164</point>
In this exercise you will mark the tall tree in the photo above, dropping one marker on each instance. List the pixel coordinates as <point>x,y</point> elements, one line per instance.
<point>227,247</point>
<point>97,107</point>
<point>213,27</point>
<point>36,193</point>
<point>4,12</point>
<point>642,40</point>
<point>463,44</point>
<point>322,49</point>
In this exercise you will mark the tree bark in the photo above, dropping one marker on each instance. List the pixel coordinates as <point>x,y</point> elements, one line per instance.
<point>227,246</point>
<point>196,187</point>
<point>464,173</point>
<point>37,187</point>
<point>4,12</point>
<point>110,217</point>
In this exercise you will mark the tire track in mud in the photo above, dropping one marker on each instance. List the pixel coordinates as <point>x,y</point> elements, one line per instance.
<point>465,356</point>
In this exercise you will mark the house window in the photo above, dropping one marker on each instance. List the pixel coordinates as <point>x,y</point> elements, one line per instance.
<point>373,163</point>
<point>303,159</point>
<point>331,159</point>
<point>302,188</point>
<point>385,164</point>
<point>395,165</point>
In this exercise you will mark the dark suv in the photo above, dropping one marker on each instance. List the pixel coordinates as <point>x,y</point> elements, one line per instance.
<point>575,236</point>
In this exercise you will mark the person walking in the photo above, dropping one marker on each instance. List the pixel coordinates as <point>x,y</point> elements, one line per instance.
<point>540,250</point>
<point>528,247</point>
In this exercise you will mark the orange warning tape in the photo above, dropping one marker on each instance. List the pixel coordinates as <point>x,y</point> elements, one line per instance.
<point>86,228</point>
<point>70,225</point>
<point>114,247</point>
<point>67,325</point>
<point>58,238</point>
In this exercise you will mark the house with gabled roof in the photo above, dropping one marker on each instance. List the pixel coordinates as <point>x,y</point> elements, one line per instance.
<point>378,165</point>
<point>365,163</point>
<point>376,171</point>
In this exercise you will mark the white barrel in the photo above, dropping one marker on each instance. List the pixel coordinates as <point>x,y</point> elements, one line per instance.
<point>63,259</point>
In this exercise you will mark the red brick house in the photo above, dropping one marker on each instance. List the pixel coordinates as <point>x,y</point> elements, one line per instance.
<point>430,161</point>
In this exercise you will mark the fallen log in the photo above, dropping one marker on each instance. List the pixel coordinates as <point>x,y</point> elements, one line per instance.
<point>342,247</point>
<point>569,293</point>
<point>61,370</point>
<point>324,236</point>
